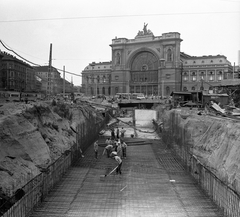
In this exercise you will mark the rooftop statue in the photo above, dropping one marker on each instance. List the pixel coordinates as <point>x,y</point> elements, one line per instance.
<point>145,31</point>
<point>145,28</point>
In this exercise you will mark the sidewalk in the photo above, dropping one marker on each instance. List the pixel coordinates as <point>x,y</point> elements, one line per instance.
<point>153,183</point>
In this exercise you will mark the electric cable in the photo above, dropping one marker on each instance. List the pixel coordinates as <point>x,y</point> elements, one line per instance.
<point>117,16</point>
<point>9,49</point>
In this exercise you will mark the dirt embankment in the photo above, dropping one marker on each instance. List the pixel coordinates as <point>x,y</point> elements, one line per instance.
<point>32,137</point>
<point>213,140</point>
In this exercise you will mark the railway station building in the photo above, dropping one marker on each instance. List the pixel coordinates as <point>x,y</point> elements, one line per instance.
<point>153,65</point>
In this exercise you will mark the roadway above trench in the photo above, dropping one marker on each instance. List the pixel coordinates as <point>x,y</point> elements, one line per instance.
<point>153,183</point>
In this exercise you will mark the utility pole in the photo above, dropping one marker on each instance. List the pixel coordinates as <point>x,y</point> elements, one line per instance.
<point>49,90</point>
<point>64,82</point>
<point>233,69</point>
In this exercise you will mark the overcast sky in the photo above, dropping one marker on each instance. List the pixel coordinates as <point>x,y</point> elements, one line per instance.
<point>82,30</point>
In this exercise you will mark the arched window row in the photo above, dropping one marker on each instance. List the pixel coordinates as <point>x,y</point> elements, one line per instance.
<point>98,79</point>
<point>203,75</point>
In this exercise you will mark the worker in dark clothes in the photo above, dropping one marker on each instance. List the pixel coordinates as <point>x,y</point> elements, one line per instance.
<point>117,133</point>
<point>112,133</point>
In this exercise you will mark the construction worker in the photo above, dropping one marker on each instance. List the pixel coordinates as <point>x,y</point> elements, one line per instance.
<point>119,161</point>
<point>119,148</point>
<point>108,141</point>
<point>112,133</point>
<point>124,149</point>
<point>117,133</point>
<point>122,132</point>
<point>113,154</point>
<point>95,146</point>
<point>108,149</point>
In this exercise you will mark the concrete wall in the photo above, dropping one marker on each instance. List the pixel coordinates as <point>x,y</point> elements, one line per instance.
<point>144,117</point>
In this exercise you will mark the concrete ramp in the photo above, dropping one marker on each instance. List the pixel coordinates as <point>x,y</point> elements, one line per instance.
<point>144,117</point>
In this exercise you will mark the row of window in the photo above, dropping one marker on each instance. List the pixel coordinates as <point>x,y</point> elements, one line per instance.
<point>98,79</point>
<point>202,76</point>
<point>95,67</point>
<point>211,61</point>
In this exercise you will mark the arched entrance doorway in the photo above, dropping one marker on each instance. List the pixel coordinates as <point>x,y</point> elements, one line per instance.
<point>144,74</point>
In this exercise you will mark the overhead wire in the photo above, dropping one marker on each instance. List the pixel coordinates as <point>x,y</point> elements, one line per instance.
<point>17,54</point>
<point>116,16</point>
<point>11,50</point>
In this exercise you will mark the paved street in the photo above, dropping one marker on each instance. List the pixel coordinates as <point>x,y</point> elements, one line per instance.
<point>153,183</point>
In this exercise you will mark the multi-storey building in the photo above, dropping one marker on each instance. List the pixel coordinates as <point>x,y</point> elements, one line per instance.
<point>56,85</point>
<point>204,72</point>
<point>96,78</point>
<point>16,75</point>
<point>43,72</point>
<point>152,65</point>
<point>1,73</point>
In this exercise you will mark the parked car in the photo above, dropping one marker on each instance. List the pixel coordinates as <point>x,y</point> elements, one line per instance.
<point>141,97</point>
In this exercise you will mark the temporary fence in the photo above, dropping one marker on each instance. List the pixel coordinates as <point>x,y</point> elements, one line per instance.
<point>220,192</point>
<point>36,190</point>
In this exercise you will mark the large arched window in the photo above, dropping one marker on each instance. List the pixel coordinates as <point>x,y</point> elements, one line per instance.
<point>220,75</point>
<point>211,76</point>
<point>194,77</point>
<point>144,61</point>
<point>202,75</point>
<point>144,68</point>
<point>104,79</point>
<point>185,76</point>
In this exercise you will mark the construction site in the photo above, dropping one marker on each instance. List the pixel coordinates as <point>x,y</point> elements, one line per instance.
<point>180,161</point>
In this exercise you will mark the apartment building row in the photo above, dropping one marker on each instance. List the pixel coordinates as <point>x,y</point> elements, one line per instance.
<point>17,75</point>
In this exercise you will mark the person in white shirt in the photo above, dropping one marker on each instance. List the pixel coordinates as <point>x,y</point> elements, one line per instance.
<point>122,132</point>
<point>95,146</point>
<point>124,149</point>
<point>119,161</point>
<point>108,149</point>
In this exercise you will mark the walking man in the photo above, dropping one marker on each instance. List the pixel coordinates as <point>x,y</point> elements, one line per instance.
<point>96,149</point>
<point>119,161</point>
<point>124,149</point>
<point>122,132</point>
<point>112,133</point>
<point>117,133</point>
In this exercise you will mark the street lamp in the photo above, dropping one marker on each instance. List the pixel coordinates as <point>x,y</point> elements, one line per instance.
<point>161,77</point>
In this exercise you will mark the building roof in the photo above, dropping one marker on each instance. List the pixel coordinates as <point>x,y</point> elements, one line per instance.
<point>99,66</point>
<point>45,69</point>
<point>230,82</point>
<point>8,57</point>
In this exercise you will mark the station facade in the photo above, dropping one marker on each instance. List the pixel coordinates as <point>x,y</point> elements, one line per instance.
<point>152,65</point>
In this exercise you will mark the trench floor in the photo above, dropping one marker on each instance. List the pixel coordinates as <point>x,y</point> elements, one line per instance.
<point>153,183</point>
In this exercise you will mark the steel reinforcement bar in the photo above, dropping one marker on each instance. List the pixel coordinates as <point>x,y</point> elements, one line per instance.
<point>222,194</point>
<point>39,187</point>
